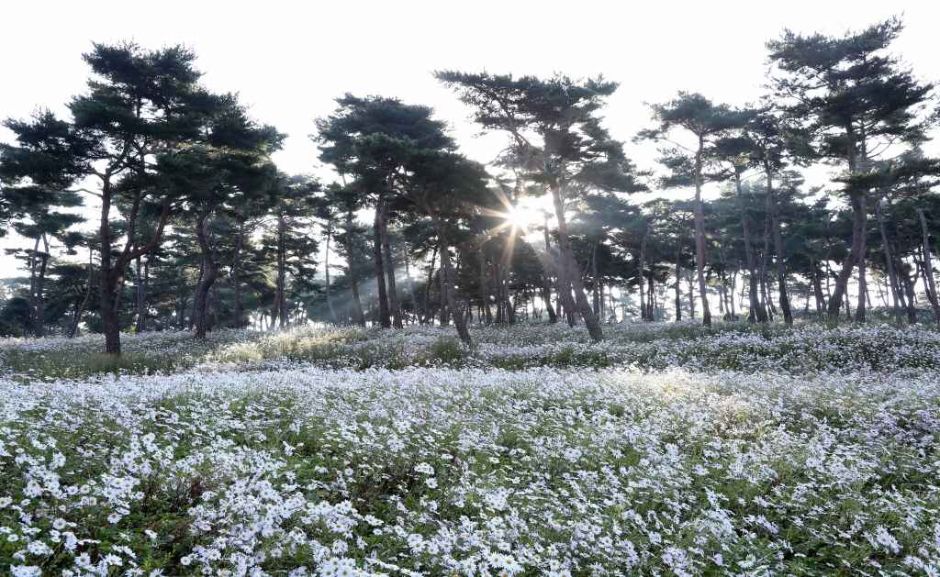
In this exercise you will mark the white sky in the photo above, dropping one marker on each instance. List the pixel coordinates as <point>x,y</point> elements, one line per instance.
<point>289,60</point>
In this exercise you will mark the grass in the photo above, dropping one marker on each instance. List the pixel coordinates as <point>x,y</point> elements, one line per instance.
<point>654,346</point>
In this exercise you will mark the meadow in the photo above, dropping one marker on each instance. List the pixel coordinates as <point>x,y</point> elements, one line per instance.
<point>668,449</point>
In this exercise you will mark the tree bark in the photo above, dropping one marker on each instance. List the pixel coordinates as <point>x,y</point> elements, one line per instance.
<point>76,319</point>
<point>40,308</point>
<point>451,300</point>
<point>678,284</point>
<point>384,317</point>
<point>210,271</point>
<point>641,272</point>
<point>928,267</point>
<point>700,234</point>
<point>756,310</point>
<point>857,201</point>
<point>889,263</point>
<point>328,234</point>
<point>280,288</point>
<point>862,277</point>
<point>235,276</point>
<point>781,268</point>
<point>842,280</point>
<point>554,258</point>
<point>389,263</point>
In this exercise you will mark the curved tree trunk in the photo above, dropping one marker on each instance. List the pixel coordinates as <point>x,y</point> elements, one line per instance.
<point>842,281</point>
<point>572,271</point>
<point>210,271</point>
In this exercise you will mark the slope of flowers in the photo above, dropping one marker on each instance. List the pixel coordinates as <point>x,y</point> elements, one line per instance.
<point>647,346</point>
<point>433,471</point>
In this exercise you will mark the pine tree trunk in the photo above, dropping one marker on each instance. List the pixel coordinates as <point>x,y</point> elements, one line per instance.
<point>210,271</point>
<point>109,279</point>
<point>352,270</point>
<point>328,233</point>
<point>893,283</point>
<point>140,293</point>
<point>384,316</point>
<point>389,263</point>
<point>862,277</point>
<point>641,272</point>
<point>486,315</point>
<point>572,271</point>
<point>280,288</point>
<point>700,235</point>
<point>781,268</point>
<point>857,201</point>
<point>235,276</point>
<point>842,280</point>
<point>448,296</point>
<point>678,285</point>
<point>428,314</point>
<point>756,311</point>
<point>595,281</point>
<point>554,258</point>
<point>77,317</point>
<point>40,310</point>
<point>928,267</point>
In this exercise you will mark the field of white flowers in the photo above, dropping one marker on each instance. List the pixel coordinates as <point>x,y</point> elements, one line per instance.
<point>338,452</point>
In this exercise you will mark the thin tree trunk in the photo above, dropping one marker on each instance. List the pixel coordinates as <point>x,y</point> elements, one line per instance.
<point>893,283</point>
<point>781,268</point>
<point>565,302</point>
<point>210,271</point>
<point>842,280</point>
<point>572,269</point>
<point>40,311</point>
<point>756,310</point>
<point>77,318</point>
<point>928,267</point>
<point>862,276</point>
<point>700,234</point>
<point>280,288</point>
<point>109,278</point>
<point>641,272</point>
<point>678,284</point>
<point>389,263</point>
<point>328,233</point>
<point>377,225</point>
<point>451,300</point>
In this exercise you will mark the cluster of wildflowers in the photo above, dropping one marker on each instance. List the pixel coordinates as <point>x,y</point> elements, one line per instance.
<point>307,471</point>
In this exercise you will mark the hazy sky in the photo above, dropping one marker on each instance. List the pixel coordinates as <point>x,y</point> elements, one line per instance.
<point>289,60</point>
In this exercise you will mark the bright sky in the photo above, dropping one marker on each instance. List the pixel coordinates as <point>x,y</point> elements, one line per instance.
<point>289,60</point>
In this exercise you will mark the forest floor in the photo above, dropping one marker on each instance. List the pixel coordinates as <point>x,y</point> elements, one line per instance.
<point>668,449</point>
